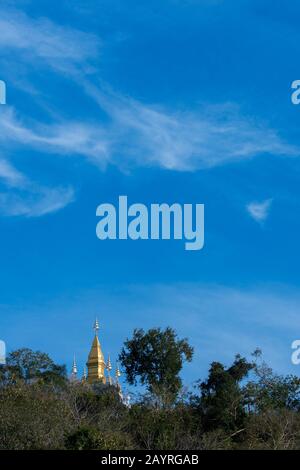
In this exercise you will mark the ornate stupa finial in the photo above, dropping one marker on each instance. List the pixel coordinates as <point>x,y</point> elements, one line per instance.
<point>108,364</point>
<point>118,385</point>
<point>109,368</point>
<point>96,326</point>
<point>118,372</point>
<point>74,368</point>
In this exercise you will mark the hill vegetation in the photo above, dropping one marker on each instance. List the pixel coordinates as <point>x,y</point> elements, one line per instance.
<point>242,406</point>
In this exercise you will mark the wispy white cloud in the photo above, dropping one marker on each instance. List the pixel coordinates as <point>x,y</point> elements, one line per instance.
<point>66,137</point>
<point>10,176</point>
<point>259,211</point>
<point>35,203</point>
<point>20,196</point>
<point>137,135</point>
<point>148,135</point>
<point>133,133</point>
<point>37,43</point>
<point>61,47</point>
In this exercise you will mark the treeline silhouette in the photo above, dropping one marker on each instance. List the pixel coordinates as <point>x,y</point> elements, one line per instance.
<point>243,406</point>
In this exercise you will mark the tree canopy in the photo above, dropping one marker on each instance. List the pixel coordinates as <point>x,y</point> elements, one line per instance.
<point>243,405</point>
<point>27,365</point>
<point>155,358</point>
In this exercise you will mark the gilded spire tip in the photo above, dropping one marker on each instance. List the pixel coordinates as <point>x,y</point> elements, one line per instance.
<point>96,326</point>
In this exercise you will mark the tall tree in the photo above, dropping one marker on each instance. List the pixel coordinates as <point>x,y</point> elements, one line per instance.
<point>25,364</point>
<point>222,401</point>
<point>271,391</point>
<point>155,358</point>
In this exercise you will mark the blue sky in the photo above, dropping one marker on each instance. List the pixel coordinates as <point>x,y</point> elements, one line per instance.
<point>163,101</point>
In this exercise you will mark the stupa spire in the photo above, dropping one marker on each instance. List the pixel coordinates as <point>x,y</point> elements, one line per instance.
<point>109,368</point>
<point>74,368</point>
<point>118,385</point>
<point>96,364</point>
<point>118,372</point>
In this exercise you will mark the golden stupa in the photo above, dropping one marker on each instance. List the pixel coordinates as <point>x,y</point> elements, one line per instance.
<point>98,370</point>
<point>96,364</point>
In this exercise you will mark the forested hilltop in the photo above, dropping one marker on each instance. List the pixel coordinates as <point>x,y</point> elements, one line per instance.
<point>243,406</point>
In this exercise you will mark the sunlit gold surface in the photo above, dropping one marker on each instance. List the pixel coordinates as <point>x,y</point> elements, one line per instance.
<point>96,363</point>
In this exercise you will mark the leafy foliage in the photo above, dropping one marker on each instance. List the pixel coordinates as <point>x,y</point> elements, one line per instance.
<point>241,406</point>
<point>155,358</point>
<point>91,438</point>
<point>27,365</point>
<point>222,402</point>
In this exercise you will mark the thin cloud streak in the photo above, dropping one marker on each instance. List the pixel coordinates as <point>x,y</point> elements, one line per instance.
<point>38,202</point>
<point>20,196</point>
<point>143,136</point>
<point>151,136</point>
<point>60,47</point>
<point>10,176</point>
<point>64,138</point>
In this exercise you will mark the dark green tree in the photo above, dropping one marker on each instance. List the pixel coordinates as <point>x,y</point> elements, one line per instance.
<point>155,358</point>
<point>270,391</point>
<point>27,365</point>
<point>222,401</point>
